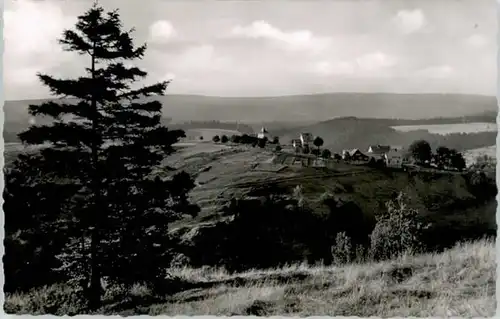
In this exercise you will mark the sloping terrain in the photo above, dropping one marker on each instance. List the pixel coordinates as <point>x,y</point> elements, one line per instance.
<point>459,282</point>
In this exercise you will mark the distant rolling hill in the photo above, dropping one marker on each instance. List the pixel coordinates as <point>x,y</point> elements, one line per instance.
<point>314,107</point>
<point>292,109</point>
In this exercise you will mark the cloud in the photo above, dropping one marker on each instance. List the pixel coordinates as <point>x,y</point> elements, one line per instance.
<point>364,65</point>
<point>410,21</point>
<point>189,63</point>
<point>162,31</point>
<point>375,61</point>
<point>169,76</point>
<point>333,68</point>
<point>477,40</point>
<point>298,40</point>
<point>436,72</point>
<point>202,57</point>
<point>31,31</point>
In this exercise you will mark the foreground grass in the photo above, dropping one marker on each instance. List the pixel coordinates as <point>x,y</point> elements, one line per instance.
<point>458,282</point>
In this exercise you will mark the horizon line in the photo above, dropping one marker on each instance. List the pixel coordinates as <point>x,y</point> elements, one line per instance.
<point>278,96</point>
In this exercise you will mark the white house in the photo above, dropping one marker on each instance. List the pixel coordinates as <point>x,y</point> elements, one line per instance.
<point>378,150</point>
<point>296,143</point>
<point>306,138</point>
<point>263,133</point>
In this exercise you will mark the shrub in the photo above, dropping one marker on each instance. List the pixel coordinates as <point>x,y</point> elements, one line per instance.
<point>247,139</point>
<point>55,300</point>
<point>326,153</point>
<point>277,148</point>
<point>201,138</point>
<point>298,195</point>
<point>224,139</point>
<point>397,231</point>
<point>235,139</point>
<point>343,249</point>
<point>421,151</point>
<point>216,139</point>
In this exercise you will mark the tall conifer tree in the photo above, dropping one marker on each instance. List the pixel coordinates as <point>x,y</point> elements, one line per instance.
<point>106,143</point>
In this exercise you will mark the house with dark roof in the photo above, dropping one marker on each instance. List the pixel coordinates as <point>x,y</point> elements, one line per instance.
<point>354,155</point>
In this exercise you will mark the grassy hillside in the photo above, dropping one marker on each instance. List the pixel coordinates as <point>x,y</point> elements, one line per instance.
<point>456,206</point>
<point>459,282</point>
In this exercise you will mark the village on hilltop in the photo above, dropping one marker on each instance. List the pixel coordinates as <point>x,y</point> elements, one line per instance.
<point>306,150</point>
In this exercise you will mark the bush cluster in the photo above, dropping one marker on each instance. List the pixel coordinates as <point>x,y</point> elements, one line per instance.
<point>398,231</point>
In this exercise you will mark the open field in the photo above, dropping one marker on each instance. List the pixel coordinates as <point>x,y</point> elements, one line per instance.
<point>445,129</point>
<point>459,282</point>
<point>471,155</point>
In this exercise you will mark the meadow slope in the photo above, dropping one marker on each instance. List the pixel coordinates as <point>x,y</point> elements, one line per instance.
<point>458,282</point>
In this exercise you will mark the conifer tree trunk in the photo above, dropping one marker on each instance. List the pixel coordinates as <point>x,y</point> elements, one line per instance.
<point>95,274</point>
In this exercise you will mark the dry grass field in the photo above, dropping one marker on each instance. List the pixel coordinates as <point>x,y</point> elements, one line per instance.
<point>459,282</point>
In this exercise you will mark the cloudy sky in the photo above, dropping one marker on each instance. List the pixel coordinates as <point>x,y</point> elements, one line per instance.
<point>253,48</point>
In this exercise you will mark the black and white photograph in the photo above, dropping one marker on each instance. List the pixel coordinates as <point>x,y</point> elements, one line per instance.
<point>250,158</point>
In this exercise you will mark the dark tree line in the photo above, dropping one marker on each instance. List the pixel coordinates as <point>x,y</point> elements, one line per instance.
<point>443,157</point>
<point>246,140</point>
<point>245,128</point>
<point>89,205</point>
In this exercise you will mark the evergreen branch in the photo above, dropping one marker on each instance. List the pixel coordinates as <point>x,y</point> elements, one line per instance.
<point>81,88</point>
<point>152,106</point>
<point>56,110</point>
<point>55,166</point>
<point>118,72</point>
<point>132,117</point>
<point>155,89</point>
<point>163,137</point>
<point>71,41</point>
<point>61,134</point>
